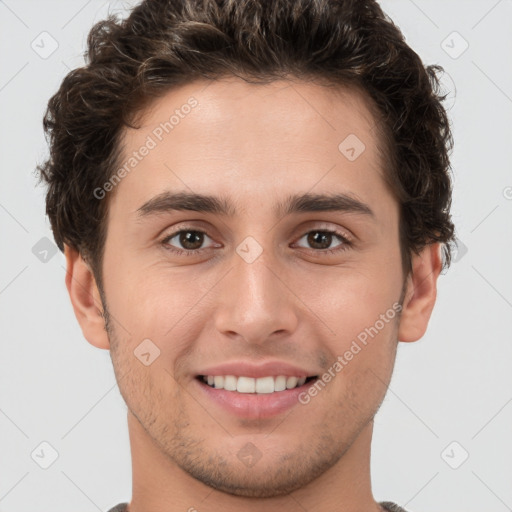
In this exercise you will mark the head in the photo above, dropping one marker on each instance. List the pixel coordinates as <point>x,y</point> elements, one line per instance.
<point>268,123</point>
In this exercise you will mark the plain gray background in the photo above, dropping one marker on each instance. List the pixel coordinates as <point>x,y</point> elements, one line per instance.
<point>451,393</point>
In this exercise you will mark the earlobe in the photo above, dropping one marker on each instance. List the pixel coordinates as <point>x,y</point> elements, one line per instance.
<point>421,293</point>
<point>85,299</point>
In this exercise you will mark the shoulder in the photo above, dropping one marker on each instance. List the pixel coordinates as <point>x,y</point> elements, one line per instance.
<point>391,507</point>
<point>119,508</point>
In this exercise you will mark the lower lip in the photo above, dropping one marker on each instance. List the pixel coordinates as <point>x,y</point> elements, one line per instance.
<point>254,405</point>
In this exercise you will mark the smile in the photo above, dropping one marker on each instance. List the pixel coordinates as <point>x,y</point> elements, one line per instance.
<point>253,397</point>
<point>261,385</point>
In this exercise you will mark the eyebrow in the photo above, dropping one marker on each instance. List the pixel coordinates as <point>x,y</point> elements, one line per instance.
<point>308,202</point>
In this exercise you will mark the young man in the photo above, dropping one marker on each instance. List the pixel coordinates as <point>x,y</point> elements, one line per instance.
<point>253,198</point>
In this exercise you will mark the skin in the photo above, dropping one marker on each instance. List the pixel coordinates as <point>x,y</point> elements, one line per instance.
<point>255,145</point>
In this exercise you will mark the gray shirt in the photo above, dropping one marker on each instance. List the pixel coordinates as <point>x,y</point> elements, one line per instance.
<point>388,505</point>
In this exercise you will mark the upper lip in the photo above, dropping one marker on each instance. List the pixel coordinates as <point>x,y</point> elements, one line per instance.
<point>247,369</point>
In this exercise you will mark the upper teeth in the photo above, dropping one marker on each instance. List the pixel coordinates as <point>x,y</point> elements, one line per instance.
<point>250,385</point>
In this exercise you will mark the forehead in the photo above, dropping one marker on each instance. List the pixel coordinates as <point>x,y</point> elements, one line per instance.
<point>283,107</point>
<point>230,135</point>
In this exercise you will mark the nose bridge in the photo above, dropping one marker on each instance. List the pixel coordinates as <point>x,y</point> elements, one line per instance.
<point>255,302</point>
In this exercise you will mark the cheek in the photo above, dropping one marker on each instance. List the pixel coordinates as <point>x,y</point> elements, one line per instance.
<point>362,313</point>
<point>353,299</point>
<point>150,392</point>
<point>148,301</point>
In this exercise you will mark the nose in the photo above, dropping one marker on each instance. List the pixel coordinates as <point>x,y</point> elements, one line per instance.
<point>256,303</point>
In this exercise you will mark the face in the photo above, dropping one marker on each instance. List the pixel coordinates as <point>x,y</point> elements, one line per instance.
<point>251,283</point>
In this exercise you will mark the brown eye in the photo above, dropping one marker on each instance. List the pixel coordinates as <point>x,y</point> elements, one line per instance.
<point>321,240</point>
<point>190,241</point>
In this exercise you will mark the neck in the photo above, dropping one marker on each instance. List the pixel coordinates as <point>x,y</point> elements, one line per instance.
<point>160,485</point>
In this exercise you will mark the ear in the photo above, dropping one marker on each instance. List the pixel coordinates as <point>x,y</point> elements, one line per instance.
<point>421,292</point>
<point>85,298</point>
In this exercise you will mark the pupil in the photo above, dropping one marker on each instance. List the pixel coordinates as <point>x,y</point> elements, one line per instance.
<point>319,234</point>
<point>185,239</point>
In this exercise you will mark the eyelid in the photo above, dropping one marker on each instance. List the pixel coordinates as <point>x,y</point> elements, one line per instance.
<point>303,229</point>
<point>325,226</point>
<point>198,225</point>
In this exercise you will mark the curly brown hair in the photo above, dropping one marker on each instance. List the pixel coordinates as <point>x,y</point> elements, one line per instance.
<point>163,44</point>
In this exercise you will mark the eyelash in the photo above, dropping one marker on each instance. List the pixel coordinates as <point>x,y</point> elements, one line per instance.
<point>345,245</point>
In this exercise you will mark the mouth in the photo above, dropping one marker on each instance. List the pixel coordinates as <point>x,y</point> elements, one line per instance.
<point>251,398</point>
<point>256,386</point>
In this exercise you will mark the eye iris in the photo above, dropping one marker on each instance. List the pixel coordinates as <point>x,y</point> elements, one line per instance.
<point>314,235</point>
<point>185,239</point>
